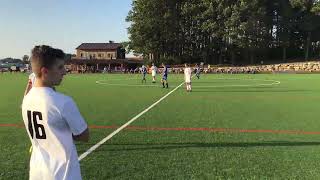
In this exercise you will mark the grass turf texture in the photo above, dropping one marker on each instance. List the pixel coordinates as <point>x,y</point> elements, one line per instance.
<point>169,154</point>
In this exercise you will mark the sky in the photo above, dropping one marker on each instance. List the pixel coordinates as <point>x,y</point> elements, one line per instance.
<point>63,24</point>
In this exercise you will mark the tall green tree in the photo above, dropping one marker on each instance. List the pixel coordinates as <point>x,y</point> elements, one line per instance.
<point>308,19</point>
<point>218,31</point>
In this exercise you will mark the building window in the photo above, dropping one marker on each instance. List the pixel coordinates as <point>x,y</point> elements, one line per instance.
<point>81,55</point>
<point>109,55</point>
<point>99,55</point>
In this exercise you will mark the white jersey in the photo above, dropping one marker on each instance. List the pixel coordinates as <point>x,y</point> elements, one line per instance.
<point>32,79</point>
<point>187,74</point>
<point>153,70</point>
<point>51,119</point>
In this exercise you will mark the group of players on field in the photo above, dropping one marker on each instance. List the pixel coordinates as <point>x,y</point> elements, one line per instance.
<point>52,119</point>
<point>164,80</point>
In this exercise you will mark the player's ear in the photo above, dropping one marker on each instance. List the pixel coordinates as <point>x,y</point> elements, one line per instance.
<point>43,70</point>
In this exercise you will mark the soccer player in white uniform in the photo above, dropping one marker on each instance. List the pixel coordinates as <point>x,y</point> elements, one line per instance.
<point>31,81</point>
<point>187,77</point>
<point>52,120</point>
<point>153,72</point>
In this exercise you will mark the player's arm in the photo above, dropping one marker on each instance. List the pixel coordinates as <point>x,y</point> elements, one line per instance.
<point>84,136</point>
<point>77,124</point>
<point>28,87</point>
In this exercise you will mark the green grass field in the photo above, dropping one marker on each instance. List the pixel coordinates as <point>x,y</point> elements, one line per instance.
<point>229,127</point>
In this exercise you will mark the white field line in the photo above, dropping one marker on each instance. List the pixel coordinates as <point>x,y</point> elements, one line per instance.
<point>244,85</point>
<point>273,82</point>
<point>133,85</point>
<point>90,150</point>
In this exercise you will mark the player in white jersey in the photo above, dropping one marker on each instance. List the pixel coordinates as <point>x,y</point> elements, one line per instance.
<point>153,72</point>
<point>52,120</point>
<point>187,77</point>
<point>31,81</point>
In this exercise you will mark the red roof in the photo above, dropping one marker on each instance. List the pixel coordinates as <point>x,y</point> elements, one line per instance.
<point>103,61</point>
<point>99,46</point>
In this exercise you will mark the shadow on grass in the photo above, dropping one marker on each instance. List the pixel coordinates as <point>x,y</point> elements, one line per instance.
<point>168,146</point>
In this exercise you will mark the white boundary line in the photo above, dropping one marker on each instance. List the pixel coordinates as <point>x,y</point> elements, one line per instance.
<point>134,85</point>
<point>274,82</point>
<point>90,150</point>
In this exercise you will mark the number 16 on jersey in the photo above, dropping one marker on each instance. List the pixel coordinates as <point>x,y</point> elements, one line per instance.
<point>34,117</point>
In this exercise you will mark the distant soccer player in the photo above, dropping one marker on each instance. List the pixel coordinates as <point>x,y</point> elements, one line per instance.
<point>52,120</point>
<point>198,70</point>
<point>144,73</point>
<point>187,77</point>
<point>164,79</point>
<point>153,72</point>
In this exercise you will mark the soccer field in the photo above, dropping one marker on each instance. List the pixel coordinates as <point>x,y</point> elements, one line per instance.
<point>229,127</point>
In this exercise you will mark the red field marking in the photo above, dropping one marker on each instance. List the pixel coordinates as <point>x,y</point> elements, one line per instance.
<point>226,130</point>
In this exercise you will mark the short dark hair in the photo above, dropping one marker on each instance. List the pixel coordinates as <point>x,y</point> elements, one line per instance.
<point>44,56</point>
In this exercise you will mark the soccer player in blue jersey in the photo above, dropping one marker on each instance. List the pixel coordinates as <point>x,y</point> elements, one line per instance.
<point>164,79</point>
<point>198,71</point>
<point>144,72</point>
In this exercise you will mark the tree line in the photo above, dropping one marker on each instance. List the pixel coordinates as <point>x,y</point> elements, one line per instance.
<point>224,31</point>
